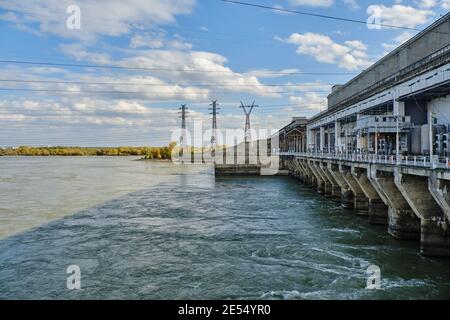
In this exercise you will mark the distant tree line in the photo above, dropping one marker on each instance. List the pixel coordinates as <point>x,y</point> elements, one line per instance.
<point>146,152</point>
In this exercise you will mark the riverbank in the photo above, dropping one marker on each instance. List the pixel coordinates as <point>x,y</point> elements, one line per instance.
<point>146,152</point>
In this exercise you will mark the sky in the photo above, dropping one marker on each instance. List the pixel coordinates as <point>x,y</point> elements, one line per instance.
<point>119,73</point>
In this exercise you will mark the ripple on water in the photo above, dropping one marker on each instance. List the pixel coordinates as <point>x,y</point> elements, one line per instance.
<point>192,236</point>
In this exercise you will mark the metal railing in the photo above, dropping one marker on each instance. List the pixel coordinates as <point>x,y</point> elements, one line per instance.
<point>416,161</point>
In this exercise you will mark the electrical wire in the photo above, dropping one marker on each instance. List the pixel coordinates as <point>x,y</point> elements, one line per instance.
<point>323,16</point>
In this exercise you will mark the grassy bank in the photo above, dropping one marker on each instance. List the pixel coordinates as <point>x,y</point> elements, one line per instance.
<point>146,152</point>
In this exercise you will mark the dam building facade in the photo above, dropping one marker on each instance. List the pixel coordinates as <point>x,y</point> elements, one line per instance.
<point>382,147</point>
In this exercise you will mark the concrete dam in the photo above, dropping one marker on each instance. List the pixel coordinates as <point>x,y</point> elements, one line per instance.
<point>382,147</point>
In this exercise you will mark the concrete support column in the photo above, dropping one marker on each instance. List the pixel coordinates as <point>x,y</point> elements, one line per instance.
<point>322,138</point>
<point>294,169</point>
<point>378,210</point>
<point>329,140</point>
<point>337,136</point>
<point>361,202</point>
<point>289,167</point>
<point>403,223</point>
<point>304,171</point>
<point>347,196</point>
<point>399,108</point>
<point>320,182</point>
<point>440,190</point>
<point>309,138</point>
<point>301,173</point>
<point>326,182</point>
<point>336,195</point>
<point>434,237</point>
<point>310,177</point>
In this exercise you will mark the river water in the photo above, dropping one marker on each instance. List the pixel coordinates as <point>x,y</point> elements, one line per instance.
<point>152,230</point>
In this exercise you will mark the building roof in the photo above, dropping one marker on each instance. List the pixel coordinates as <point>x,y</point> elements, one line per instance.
<point>431,40</point>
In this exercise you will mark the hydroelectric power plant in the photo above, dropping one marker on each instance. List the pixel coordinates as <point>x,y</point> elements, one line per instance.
<point>323,160</point>
<point>382,147</point>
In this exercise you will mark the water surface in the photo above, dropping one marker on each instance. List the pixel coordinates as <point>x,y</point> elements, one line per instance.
<point>182,233</point>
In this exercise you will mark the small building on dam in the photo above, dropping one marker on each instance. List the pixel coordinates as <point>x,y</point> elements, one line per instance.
<point>382,147</point>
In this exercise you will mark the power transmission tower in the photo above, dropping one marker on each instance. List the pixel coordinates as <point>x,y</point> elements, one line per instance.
<point>248,111</point>
<point>214,113</point>
<point>183,112</point>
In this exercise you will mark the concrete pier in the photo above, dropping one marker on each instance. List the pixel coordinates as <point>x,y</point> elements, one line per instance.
<point>378,210</point>
<point>327,183</point>
<point>237,170</point>
<point>413,203</point>
<point>320,183</point>
<point>336,194</point>
<point>361,205</point>
<point>435,237</point>
<point>347,196</point>
<point>402,222</point>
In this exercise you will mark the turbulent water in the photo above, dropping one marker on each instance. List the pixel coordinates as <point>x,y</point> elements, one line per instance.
<point>146,230</point>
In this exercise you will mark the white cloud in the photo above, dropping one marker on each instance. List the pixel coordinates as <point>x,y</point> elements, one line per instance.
<point>356,44</point>
<point>352,4</point>
<point>147,110</point>
<point>312,3</point>
<point>111,18</point>
<point>398,40</point>
<point>400,15</point>
<point>310,102</point>
<point>281,10</point>
<point>93,121</point>
<point>444,4</point>
<point>351,55</point>
<point>79,52</point>
<point>179,44</point>
<point>428,3</point>
<point>206,67</point>
<point>268,73</point>
<point>101,108</point>
<point>145,41</point>
<point>403,37</point>
<point>12,117</point>
<point>9,16</point>
<point>310,86</point>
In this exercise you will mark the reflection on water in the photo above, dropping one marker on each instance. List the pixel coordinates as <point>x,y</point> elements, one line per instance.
<point>188,235</point>
<point>38,189</point>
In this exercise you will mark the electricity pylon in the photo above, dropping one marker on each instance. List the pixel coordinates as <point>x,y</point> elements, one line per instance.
<point>248,111</point>
<point>183,112</point>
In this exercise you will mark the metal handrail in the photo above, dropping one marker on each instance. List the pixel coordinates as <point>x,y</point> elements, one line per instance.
<point>408,160</point>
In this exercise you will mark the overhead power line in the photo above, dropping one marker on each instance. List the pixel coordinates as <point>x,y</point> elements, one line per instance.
<point>323,16</point>
<point>167,85</point>
<point>150,92</point>
<point>55,64</point>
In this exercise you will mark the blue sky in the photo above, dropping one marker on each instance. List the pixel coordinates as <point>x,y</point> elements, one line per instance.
<point>285,62</point>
